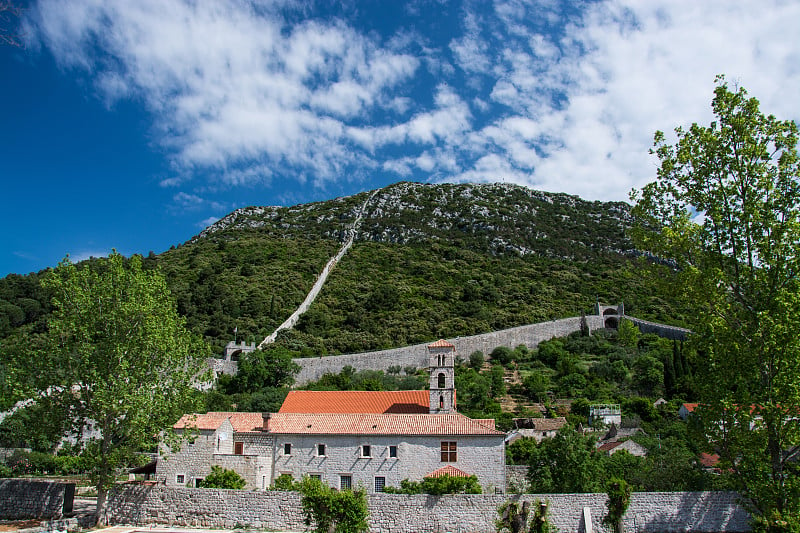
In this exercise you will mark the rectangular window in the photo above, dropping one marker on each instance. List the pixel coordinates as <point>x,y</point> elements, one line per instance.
<point>366,450</point>
<point>198,482</point>
<point>287,448</point>
<point>345,482</point>
<point>392,451</point>
<point>180,478</point>
<point>318,477</point>
<point>449,452</point>
<point>238,448</point>
<point>321,450</point>
<point>380,482</point>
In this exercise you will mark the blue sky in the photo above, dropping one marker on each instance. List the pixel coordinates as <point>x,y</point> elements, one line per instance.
<point>133,125</point>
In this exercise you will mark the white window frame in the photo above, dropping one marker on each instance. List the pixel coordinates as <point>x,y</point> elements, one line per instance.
<point>396,451</point>
<point>324,448</point>
<point>366,451</point>
<point>180,479</point>
<point>349,482</point>
<point>383,484</point>
<point>285,444</point>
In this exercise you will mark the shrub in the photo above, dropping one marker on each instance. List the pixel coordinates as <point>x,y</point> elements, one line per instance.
<point>329,510</point>
<point>285,482</point>
<point>222,478</point>
<point>445,484</point>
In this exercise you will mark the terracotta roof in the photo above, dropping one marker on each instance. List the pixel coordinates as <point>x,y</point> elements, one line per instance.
<point>379,424</point>
<point>240,421</point>
<point>690,407</point>
<point>607,447</point>
<point>441,343</point>
<point>448,470</point>
<point>417,401</point>
<point>709,460</point>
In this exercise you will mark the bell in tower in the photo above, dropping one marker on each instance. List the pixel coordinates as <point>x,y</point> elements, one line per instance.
<point>442,356</point>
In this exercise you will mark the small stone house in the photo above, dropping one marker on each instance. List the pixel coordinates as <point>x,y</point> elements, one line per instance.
<point>347,439</point>
<point>610,448</point>
<point>536,428</point>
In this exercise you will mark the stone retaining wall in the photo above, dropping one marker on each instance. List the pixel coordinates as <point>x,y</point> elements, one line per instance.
<point>396,513</point>
<point>21,499</point>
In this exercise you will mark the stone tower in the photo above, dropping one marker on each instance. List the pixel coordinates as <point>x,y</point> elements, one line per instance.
<point>442,357</point>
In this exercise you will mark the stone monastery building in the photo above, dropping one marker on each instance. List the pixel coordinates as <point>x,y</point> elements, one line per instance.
<point>347,439</point>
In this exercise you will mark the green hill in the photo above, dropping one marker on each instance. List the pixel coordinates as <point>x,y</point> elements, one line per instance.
<point>428,261</point>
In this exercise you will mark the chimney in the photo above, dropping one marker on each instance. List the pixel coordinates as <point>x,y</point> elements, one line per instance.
<point>265,425</point>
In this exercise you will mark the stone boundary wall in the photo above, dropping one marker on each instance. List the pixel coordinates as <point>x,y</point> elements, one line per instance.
<point>662,330</point>
<point>312,368</point>
<point>21,499</point>
<point>652,512</point>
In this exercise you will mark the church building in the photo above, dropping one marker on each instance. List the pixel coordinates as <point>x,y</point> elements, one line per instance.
<point>347,439</point>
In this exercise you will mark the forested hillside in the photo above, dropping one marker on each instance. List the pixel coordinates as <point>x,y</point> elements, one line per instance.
<point>428,261</point>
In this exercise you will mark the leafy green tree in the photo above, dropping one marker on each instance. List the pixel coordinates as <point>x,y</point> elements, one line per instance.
<point>537,385</point>
<point>476,359</point>
<point>564,463</point>
<point>619,497</point>
<point>724,214</point>
<point>332,511</point>
<point>271,367</point>
<point>628,334</point>
<point>223,478</point>
<point>118,357</point>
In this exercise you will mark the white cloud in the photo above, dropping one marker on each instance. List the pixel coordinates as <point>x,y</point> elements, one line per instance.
<point>554,94</point>
<point>649,66</point>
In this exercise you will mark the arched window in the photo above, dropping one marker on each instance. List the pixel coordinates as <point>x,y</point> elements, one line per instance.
<point>441,401</point>
<point>441,380</point>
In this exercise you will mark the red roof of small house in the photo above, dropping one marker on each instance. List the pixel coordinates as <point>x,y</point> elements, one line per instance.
<point>690,407</point>
<point>376,402</point>
<point>380,424</point>
<point>709,460</point>
<point>608,446</point>
<point>441,343</point>
<point>448,470</point>
<point>240,421</point>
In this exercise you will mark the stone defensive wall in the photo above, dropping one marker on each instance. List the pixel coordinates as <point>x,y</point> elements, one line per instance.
<point>649,512</point>
<point>22,499</point>
<point>662,330</point>
<point>312,368</point>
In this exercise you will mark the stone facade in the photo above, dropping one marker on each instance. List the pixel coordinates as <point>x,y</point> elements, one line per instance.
<point>416,457</point>
<point>398,513</point>
<point>22,499</point>
<point>251,458</point>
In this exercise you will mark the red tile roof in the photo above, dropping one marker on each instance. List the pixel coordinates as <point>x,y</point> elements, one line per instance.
<point>690,407</point>
<point>441,343</point>
<point>448,470</point>
<point>709,460</point>
<point>240,421</point>
<point>608,446</point>
<point>380,424</point>
<point>344,424</point>
<point>417,401</point>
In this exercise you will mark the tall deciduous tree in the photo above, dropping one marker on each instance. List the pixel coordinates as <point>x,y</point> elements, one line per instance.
<point>725,214</point>
<point>8,33</point>
<point>119,358</point>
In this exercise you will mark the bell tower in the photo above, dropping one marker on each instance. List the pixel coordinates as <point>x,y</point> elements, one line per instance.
<point>442,356</point>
